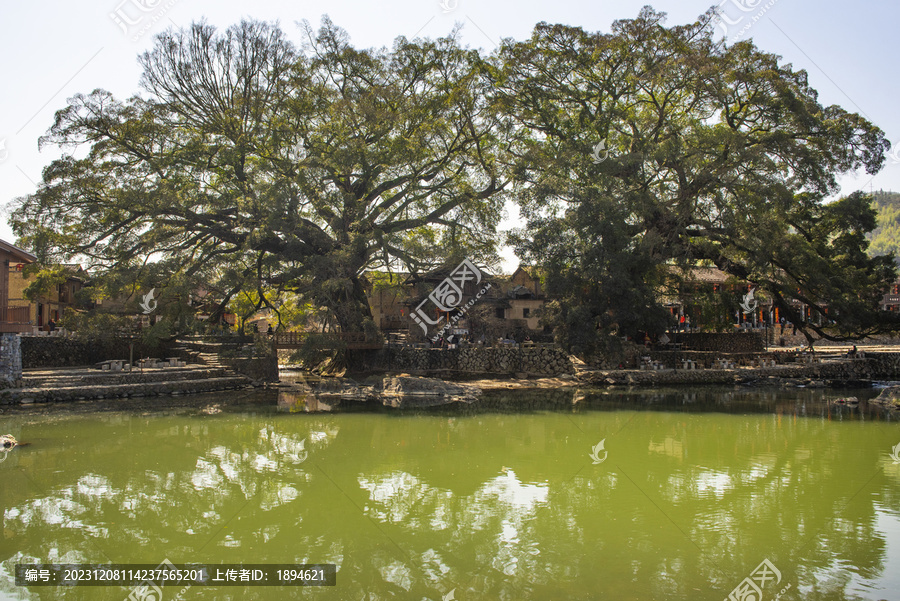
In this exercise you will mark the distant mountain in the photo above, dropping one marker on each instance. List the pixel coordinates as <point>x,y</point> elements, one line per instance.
<point>885,238</point>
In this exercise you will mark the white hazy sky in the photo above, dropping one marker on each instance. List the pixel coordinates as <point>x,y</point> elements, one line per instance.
<point>51,50</point>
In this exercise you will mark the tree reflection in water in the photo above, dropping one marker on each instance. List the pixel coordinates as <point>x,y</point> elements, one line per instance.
<point>493,503</point>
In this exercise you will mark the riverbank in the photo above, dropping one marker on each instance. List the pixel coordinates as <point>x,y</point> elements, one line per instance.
<point>801,371</point>
<point>86,384</point>
<point>643,379</point>
<point>73,384</point>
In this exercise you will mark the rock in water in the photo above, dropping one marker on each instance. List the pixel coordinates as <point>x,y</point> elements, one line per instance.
<point>403,391</point>
<point>890,396</point>
<point>850,400</point>
<point>344,389</point>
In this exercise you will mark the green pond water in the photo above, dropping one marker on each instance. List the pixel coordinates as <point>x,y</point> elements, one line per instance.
<point>689,493</point>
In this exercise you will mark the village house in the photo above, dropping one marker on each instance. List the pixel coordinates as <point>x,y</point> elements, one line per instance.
<point>891,299</point>
<point>389,297</point>
<point>525,299</point>
<point>709,295</point>
<point>51,306</point>
<point>511,304</point>
<point>12,318</point>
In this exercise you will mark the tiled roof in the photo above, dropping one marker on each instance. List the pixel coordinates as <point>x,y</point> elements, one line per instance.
<point>22,255</point>
<point>711,275</point>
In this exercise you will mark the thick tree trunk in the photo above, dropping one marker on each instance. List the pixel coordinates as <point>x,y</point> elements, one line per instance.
<point>353,315</point>
<point>353,310</point>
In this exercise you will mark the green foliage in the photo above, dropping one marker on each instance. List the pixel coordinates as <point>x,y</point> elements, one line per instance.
<point>274,177</point>
<point>885,238</point>
<point>713,311</point>
<point>44,280</point>
<point>383,280</point>
<point>716,154</point>
<point>253,167</point>
<point>158,333</point>
<point>100,326</point>
<point>97,325</point>
<point>286,311</point>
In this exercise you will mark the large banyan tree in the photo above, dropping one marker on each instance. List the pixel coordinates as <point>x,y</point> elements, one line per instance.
<point>255,167</point>
<point>650,150</point>
<point>252,165</point>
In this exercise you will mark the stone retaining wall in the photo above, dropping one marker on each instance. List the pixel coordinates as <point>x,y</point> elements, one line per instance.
<point>10,360</point>
<point>105,378</point>
<point>544,360</point>
<point>728,342</point>
<point>876,366</point>
<point>707,358</point>
<point>145,389</point>
<point>53,351</point>
<point>258,369</point>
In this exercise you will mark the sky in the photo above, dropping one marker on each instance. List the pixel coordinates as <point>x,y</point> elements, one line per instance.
<point>52,50</point>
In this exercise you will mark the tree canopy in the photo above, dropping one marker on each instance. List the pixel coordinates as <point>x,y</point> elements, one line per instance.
<point>885,238</point>
<point>650,150</point>
<point>256,166</point>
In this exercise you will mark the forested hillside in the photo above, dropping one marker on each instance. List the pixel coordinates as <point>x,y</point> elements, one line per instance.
<point>886,237</point>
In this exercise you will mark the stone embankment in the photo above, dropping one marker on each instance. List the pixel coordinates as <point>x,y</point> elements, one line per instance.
<point>398,392</point>
<point>68,384</point>
<point>506,360</point>
<point>58,351</point>
<point>737,342</point>
<point>831,371</point>
<point>10,360</point>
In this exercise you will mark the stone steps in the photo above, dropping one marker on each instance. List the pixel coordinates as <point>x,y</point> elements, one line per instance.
<point>210,359</point>
<point>71,384</point>
<point>110,391</point>
<point>66,379</point>
<point>544,360</point>
<point>206,353</point>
